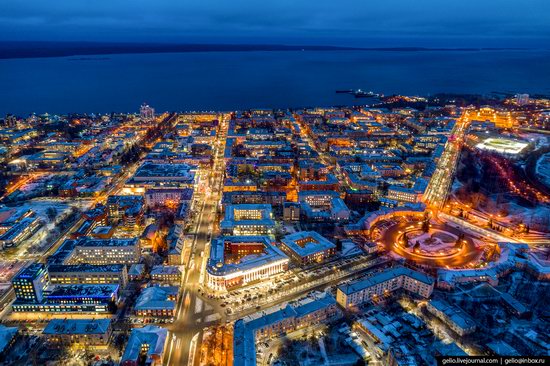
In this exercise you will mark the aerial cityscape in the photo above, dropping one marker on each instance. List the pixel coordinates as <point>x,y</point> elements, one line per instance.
<point>291,184</point>
<point>386,233</point>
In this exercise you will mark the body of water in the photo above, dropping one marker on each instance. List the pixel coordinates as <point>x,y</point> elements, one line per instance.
<point>239,80</point>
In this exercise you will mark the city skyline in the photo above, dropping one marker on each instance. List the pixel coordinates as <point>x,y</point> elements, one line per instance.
<point>248,237</point>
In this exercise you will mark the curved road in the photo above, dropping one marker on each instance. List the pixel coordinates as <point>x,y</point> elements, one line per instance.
<point>468,254</point>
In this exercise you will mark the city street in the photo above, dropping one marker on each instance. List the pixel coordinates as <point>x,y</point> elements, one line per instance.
<point>289,286</point>
<point>442,179</point>
<point>191,311</point>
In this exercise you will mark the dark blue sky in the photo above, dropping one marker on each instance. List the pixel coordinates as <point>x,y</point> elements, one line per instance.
<point>442,23</point>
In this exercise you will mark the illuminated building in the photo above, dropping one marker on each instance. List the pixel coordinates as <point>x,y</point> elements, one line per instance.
<point>323,206</point>
<point>501,118</point>
<point>522,99</point>
<point>513,256</point>
<point>275,199</point>
<point>481,126</point>
<point>29,284</point>
<point>317,198</point>
<point>291,211</point>
<point>20,231</point>
<point>248,219</point>
<point>128,210</point>
<point>149,237</point>
<point>72,299</point>
<point>16,226</point>
<point>236,261</point>
<point>368,222</point>
<point>454,317</point>
<point>11,216</point>
<point>163,273</point>
<point>383,283</point>
<point>105,251</point>
<point>47,160</point>
<point>80,333</point>
<point>231,185</point>
<point>97,215</point>
<point>147,343</point>
<point>403,194</point>
<point>157,301</point>
<point>88,274</point>
<point>151,175</point>
<point>146,112</point>
<point>169,197</point>
<point>315,309</point>
<point>306,247</point>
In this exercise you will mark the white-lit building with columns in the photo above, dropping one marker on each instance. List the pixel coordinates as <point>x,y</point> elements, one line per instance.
<point>237,260</point>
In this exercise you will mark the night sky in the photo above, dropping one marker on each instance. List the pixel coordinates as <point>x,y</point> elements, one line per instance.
<point>429,23</point>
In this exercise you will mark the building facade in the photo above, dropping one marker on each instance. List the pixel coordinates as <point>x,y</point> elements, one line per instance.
<point>80,333</point>
<point>236,261</point>
<point>383,284</point>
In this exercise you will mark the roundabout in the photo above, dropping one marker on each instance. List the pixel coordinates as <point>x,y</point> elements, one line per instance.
<point>432,244</point>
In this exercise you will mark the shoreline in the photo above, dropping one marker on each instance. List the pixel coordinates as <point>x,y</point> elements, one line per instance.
<point>30,50</point>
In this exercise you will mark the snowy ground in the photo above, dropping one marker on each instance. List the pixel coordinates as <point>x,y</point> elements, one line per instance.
<point>539,139</point>
<point>537,217</point>
<point>350,249</point>
<point>436,244</point>
<point>36,244</point>
<point>41,208</point>
<point>543,169</point>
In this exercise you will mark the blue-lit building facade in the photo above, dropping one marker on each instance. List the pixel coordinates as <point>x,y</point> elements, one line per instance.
<point>29,284</point>
<point>35,293</point>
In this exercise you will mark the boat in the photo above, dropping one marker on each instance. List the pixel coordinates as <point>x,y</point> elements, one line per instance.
<point>363,94</point>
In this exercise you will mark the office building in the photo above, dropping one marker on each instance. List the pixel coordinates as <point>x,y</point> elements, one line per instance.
<point>105,251</point>
<point>88,274</point>
<point>29,284</point>
<point>248,219</point>
<point>73,299</point>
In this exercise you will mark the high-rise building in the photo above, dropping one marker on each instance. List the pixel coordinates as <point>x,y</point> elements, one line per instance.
<point>522,99</point>
<point>146,112</point>
<point>10,121</point>
<point>29,283</point>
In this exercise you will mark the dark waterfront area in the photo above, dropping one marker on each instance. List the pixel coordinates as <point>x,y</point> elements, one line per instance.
<point>274,79</point>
